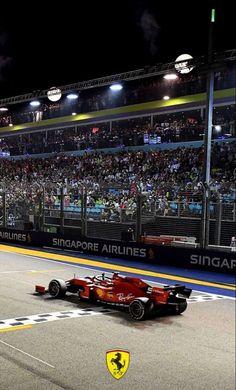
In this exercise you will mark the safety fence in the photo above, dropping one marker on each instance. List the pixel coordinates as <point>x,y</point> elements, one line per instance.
<point>109,212</point>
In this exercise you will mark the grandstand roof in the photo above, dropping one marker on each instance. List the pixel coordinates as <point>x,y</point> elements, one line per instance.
<point>220,60</point>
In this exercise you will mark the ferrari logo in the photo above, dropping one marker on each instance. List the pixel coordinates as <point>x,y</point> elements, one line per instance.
<point>100,292</point>
<point>117,362</point>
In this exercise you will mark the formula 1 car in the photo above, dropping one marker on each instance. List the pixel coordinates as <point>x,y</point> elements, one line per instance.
<point>137,296</point>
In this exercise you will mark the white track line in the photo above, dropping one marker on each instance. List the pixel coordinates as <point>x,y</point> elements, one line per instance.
<point>95,269</point>
<point>27,354</point>
<point>33,271</point>
<point>18,280</point>
<point>14,272</point>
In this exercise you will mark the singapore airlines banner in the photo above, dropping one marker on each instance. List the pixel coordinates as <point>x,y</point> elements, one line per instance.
<point>157,254</point>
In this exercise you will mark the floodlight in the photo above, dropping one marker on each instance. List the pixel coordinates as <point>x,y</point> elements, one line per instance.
<point>170,76</point>
<point>35,103</point>
<point>54,94</point>
<point>116,87</point>
<point>72,96</point>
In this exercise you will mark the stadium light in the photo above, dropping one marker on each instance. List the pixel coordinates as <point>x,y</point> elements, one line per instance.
<point>3,109</point>
<point>170,76</point>
<point>166,97</point>
<point>54,94</point>
<point>35,103</point>
<point>72,96</point>
<point>116,87</point>
<point>182,67</point>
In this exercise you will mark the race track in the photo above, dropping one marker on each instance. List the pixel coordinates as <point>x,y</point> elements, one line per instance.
<point>62,344</point>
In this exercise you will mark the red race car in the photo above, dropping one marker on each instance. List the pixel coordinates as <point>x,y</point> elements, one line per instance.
<point>140,298</point>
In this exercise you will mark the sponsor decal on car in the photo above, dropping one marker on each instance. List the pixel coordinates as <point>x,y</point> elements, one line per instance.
<point>122,297</point>
<point>100,292</point>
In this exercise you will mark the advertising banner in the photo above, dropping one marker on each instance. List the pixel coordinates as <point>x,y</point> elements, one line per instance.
<point>157,254</point>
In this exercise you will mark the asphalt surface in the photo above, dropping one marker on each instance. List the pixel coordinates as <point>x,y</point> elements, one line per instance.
<point>195,350</point>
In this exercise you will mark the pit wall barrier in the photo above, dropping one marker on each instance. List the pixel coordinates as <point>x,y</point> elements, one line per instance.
<point>208,260</point>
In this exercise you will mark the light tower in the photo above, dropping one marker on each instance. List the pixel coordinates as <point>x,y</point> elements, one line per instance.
<point>207,139</point>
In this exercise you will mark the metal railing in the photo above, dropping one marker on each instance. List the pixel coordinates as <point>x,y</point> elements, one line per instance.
<point>62,209</point>
<point>194,210</point>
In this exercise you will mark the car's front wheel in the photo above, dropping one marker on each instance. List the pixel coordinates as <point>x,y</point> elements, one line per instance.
<point>140,308</point>
<point>57,288</point>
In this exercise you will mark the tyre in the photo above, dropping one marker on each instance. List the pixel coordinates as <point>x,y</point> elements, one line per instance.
<point>180,307</point>
<point>159,310</point>
<point>57,288</point>
<point>140,308</point>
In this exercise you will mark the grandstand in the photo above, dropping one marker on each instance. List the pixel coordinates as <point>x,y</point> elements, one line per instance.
<point>108,161</point>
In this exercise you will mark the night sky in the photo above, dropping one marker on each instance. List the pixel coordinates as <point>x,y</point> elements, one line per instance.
<point>42,46</point>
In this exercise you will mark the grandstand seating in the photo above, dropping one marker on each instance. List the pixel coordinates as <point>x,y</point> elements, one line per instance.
<point>45,158</point>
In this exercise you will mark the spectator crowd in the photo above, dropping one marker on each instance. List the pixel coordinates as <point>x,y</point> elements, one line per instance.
<point>114,179</point>
<point>164,174</point>
<point>164,128</point>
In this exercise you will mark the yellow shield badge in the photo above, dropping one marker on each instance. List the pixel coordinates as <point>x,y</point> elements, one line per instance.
<point>117,362</point>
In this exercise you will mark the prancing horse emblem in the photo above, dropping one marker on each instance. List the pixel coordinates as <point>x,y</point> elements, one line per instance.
<point>117,362</point>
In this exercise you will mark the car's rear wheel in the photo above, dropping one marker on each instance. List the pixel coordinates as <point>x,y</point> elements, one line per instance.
<point>140,308</point>
<point>159,310</point>
<point>57,288</point>
<point>180,307</point>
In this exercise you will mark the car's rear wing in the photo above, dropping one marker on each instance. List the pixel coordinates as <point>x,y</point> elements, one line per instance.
<point>179,290</point>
